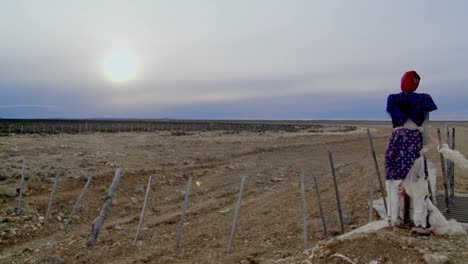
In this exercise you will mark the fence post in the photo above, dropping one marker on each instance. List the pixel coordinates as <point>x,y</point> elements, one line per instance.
<point>337,192</point>
<point>20,195</point>
<point>142,215</point>
<point>51,200</point>
<point>444,174</point>
<point>99,221</point>
<point>304,211</point>
<point>449,164</point>
<point>236,215</point>
<point>319,200</point>
<point>184,210</point>
<point>371,199</point>
<point>75,207</point>
<point>376,164</point>
<point>453,167</point>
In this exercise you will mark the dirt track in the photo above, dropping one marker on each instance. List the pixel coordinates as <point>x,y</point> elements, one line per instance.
<point>270,224</point>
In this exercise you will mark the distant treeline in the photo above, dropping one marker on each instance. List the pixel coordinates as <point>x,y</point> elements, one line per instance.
<point>74,126</point>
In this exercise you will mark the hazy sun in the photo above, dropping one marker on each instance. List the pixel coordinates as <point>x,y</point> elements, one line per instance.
<point>120,65</point>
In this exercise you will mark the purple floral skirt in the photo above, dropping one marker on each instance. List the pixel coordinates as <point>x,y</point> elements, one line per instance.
<point>403,149</point>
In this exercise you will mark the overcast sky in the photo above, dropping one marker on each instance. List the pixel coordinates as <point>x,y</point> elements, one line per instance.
<point>242,59</point>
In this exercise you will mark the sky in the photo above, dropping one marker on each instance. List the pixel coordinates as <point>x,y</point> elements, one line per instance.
<point>243,59</point>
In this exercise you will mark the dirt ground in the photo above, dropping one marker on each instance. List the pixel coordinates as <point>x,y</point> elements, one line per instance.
<point>270,223</point>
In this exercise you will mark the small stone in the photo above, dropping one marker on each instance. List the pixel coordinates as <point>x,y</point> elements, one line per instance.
<point>134,200</point>
<point>10,192</point>
<point>59,218</point>
<point>331,243</point>
<point>27,250</point>
<point>35,182</point>
<point>435,259</point>
<point>411,242</point>
<point>83,234</point>
<point>56,260</point>
<point>49,180</point>
<point>12,231</point>
<point>3,227</point>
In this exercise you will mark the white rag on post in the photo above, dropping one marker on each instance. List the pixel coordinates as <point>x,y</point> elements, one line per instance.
<point>416,186</point>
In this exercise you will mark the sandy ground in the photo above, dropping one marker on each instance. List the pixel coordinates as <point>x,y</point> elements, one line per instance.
<point>270,223</point>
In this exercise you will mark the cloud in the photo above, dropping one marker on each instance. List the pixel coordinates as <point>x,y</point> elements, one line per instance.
<point>30,106</point>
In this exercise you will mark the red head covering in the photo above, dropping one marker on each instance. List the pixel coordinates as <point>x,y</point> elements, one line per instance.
<point>410,82</point>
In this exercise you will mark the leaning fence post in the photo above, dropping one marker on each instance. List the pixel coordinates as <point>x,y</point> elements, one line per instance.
<point>184,209</point>
<point>444,174</point>
<point>337,192</point>
<point>425,141</point>
<point>371,199</point>
<point>453,166</point>
<point>99,221</point>
<point>51,200</point>
<point>449,164</point>
<point>376,164</point>
<point>319,201</point>
<point>236,215</point>
<point>75,207</point>
<point>304,211</point>
<point>142,215</point>
<point>20,195</point>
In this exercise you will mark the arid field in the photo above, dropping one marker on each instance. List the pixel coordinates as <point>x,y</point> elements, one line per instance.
<point>269,228</point>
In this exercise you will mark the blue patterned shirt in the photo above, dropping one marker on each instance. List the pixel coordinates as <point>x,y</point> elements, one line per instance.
<point>404,106</point>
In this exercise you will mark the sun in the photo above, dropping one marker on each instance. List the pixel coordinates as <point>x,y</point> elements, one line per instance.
<point>120,66</point>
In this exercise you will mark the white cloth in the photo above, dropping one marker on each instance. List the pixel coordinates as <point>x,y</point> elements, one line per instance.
<point>420,212</point>
<point>416,186</point>
<point>393,201</point>
<point>409,124</point>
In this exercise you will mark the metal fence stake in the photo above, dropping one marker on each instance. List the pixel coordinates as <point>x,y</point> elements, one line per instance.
<point>444,174</point>
<point>142,215</point>
<point>376,164</point>
<point>236,215</point>
<point>319,201</point>
<point>20,195</point>
<point>371,199</point>
<point>77,204</point>
<point>51,200</point>
<point>304,211</point>
<point>99,221</point>
<point>453,166</point>
<point>184,209</point>
<point>337,191</point>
